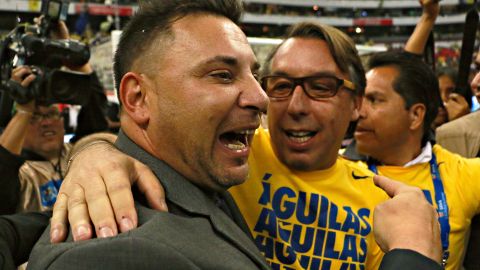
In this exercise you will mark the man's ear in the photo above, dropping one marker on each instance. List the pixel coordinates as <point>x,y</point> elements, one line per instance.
<point>133,97</point>
<point>417,116</point>
<point>357,103</point>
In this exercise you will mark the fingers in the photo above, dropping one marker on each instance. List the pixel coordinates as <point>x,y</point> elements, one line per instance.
<point>78,215</point>
<point>431,8</point>
<point>105,186</point>
<point>407,221</point>
<point>100,208</point>
<point>59,222</point>
<point>28,80</point>
<point>149,185</point>
<point>119,191</point>
<point>456,106</point>
<point>391,187</point>
<point>98,191</point>
<point>23,75</point>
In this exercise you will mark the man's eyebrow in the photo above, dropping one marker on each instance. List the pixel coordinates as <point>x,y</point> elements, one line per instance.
<point>374,93</point>
<point>320,73</point>
<point>229,60</point>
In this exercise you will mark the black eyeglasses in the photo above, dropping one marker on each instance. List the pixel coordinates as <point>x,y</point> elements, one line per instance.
<point>52,115</point>
<point>316,87</point>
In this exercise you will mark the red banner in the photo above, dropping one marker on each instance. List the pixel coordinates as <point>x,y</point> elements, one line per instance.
<point>372,21</point>
<point>103,10</point>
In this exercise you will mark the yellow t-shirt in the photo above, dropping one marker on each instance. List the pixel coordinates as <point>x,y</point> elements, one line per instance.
<point>461,183</point>
<point>310,220</point>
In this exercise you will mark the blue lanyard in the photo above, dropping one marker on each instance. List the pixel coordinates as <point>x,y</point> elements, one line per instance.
<point>440,198</point>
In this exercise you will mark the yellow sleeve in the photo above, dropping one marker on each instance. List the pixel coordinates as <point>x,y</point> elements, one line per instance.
<point>465,173</point>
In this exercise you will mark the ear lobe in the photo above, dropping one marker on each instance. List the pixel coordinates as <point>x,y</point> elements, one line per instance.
<point>417,116</point>
<point>133,97</point>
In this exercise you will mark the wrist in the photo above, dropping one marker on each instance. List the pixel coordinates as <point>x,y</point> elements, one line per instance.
<point>78,150</point>
<point>24,112</point>
<point>427,17</point>
<point>427,249</point>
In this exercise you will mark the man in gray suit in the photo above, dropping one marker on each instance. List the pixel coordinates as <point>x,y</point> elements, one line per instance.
<point>190,104</point>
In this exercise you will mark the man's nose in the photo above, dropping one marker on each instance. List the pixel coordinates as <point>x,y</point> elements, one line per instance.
<point>254,97</point>
<point>362,111</point>
<point>46,120</point>
<point>299,101</point>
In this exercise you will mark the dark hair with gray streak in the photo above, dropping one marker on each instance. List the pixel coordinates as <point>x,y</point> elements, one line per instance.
<point>153,21</point>
<point>341,47</point>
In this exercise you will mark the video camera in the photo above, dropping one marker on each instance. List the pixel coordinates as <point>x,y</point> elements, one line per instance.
<point>30,45</point>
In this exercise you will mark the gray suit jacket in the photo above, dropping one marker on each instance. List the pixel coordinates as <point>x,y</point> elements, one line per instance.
<point>195,234</point>
<point>461,136</point>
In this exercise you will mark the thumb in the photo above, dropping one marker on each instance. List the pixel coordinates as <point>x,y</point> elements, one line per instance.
<point>391,187</point>
<point>150,186</point>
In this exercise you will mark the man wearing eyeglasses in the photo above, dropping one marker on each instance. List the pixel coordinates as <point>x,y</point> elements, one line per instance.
<point>292,201</point>
<point>33,155</point>
<point>39,131</point>
<point>306,207</point>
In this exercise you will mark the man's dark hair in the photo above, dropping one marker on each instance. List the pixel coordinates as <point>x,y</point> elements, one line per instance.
<point>154,20</point>
<point>449,72</point>
<point>341,47</point>
<point>416,82</point>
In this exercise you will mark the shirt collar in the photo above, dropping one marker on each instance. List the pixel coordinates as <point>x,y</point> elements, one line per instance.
<point>425,156</point>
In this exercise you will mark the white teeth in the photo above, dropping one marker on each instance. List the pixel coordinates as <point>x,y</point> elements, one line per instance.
<point>299,133</point>
<point>300,136</point>
<point>237,145</point>
<point>48,133</point>
<point>300,139</point>
<point>247,132</point>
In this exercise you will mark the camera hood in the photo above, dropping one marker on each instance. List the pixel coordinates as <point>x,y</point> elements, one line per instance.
<point>68,87</point>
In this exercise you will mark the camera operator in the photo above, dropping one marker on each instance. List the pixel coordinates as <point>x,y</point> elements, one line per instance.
<point>33,156</point>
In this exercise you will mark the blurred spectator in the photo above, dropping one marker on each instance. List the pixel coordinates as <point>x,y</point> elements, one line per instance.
<point>462,136</point>
<point>446,80</point>
<point>401,100</point>
<point>453,105</point>
<point>33,157</point>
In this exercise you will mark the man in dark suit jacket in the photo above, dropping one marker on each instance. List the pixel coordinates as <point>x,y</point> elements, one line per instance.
<point>190,103</point>
<point>195,108</point>
<point>200,232</point>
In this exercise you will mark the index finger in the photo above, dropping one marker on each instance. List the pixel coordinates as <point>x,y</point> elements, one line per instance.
<point>391,187</point>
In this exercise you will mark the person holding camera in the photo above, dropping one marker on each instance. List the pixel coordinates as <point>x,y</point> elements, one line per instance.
<point>33,155</point>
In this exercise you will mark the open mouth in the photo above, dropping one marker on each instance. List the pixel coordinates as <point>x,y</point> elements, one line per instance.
<point>300,136</point>
<point>48,133</point>
<point>237,140</point>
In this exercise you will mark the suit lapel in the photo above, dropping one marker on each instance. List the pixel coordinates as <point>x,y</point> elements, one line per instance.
<point>193,200</point>
<point>237,237</point>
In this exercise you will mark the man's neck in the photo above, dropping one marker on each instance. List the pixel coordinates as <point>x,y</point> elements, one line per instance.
<point>400,155</point>
<point>53,156</point>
